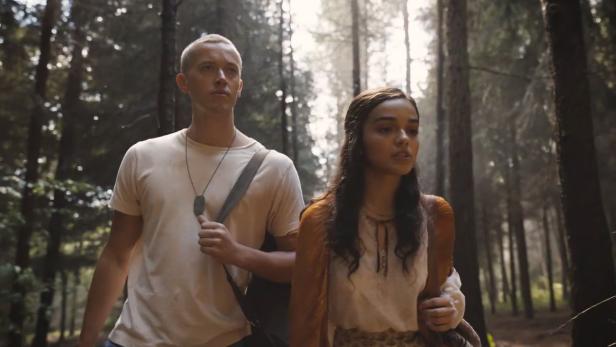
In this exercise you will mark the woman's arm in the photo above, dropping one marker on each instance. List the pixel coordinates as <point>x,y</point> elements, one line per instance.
<point>308,306</point>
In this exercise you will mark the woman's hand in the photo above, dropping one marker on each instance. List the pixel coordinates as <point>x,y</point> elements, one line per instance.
<point>440,313</point>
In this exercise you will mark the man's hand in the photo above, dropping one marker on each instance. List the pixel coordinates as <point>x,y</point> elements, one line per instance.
<point>439,313</point>
<point>216,241</point>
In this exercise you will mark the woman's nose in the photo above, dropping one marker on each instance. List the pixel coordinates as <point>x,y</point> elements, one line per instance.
<point>403,137</point>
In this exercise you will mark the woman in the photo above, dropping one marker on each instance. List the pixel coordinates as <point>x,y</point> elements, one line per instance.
<point>361,263</point>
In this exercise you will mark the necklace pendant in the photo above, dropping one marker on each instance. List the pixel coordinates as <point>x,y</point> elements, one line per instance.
<point>199,205</point>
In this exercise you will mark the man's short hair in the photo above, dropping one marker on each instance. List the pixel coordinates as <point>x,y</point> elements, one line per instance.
<point>188,54</point>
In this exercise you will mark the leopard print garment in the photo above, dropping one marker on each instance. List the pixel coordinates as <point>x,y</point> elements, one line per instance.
<point>388,338</point>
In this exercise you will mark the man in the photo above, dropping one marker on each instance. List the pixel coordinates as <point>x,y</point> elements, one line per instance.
<point>168,192</point>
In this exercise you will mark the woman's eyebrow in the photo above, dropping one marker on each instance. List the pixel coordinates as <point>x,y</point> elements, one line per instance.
<point>384,119</point>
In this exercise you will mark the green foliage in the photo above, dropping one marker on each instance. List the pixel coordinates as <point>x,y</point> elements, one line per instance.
<point>118,107</point>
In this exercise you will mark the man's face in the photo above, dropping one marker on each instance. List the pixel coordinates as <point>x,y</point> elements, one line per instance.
<point>213,79</point>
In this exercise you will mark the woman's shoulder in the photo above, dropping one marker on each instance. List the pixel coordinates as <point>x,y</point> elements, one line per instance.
<point>313,224</point>
<point>318,210</point>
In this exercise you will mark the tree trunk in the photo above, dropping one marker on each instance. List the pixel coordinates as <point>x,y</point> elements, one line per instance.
<point>461,163</point>
<point>24,233</point>
<point>364,57</point>
<point>487,246</point>
<point>63,304</point>
<point>565,271</point>
<point>221,18</point>
<point>440,111</point>
<point>11,48</point>
<point>548,258</point>
<point>355,38</point>
<point>294,135</point>
<point>71,111</point>
<point>74,292</point>
<point>501,249</point>
<point>588,235</point>
<point>608,7</point>
<point>407,44</point>
<point>511,234</point>
<point>283,83</point>
<point>166,88</point>
<point>518,224</point>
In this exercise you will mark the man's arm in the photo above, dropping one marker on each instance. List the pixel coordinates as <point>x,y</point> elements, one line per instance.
<point>109,275</point>
<point>216,241</point>
<point>446,311</point>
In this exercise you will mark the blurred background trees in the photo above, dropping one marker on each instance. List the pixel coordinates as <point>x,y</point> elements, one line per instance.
<point>82,80</point>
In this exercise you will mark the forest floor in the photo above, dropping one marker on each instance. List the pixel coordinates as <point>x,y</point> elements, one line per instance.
<point>510,331</point>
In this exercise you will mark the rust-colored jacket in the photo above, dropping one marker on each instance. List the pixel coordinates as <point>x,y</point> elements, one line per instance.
<point>308,307</point>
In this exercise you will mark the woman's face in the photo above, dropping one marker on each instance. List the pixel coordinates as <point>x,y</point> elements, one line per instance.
<point>390,137</point>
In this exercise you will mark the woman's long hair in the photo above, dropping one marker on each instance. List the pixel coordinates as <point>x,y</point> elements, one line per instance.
<point>346,192</point>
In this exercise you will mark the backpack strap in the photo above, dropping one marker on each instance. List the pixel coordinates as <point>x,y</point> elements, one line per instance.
<point>235,195</point>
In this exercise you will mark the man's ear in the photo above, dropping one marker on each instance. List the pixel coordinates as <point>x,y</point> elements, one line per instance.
<point>180,80</point>
<point>239,91</point>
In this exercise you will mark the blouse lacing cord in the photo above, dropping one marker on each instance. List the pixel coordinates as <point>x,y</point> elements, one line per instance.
<point>382,243</point>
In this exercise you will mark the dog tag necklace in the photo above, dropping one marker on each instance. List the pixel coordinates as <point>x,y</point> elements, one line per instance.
<point>199,202</point>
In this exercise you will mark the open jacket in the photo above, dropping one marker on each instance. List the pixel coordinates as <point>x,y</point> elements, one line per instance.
<point>309,293</point>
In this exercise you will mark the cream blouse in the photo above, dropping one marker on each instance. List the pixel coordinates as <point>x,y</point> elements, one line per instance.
<point>375,301</point>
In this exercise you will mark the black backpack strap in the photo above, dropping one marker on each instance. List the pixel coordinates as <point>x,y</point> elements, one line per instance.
<point>242,184</point>
<point>238,190</point>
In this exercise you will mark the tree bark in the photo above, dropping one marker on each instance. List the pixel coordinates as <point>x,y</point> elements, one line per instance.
<point>364,57</point>
<point>11,48</point>
<point>407,44</point>
<point>74,293</point>
<point>588,234</point>
<point>461,163</point>
<point>63,304</point>
<point>501,249</point>
<point>294,134</point>
<point>166,88</point>
<point>71,111</point>
<point>355,38</point>
<point>221,17</point>
<point>511,234</point>
<point>548,258</point>
<point>565,270</point>
<point>440,111</point>
<point>488,251</point>
<point>24,233</point>
<point>283,83</point>
<point>518,224</point>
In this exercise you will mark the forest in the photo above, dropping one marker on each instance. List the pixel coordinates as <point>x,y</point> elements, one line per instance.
<point>517,102</point>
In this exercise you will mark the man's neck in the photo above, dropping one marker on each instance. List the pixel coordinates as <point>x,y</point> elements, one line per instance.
<point>380,191</point>
<point>212,129</point>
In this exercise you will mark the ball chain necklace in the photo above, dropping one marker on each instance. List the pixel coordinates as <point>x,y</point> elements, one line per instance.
<point>199,202</point>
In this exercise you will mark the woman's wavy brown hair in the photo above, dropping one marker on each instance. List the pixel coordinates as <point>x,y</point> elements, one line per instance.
<point>346,192</point>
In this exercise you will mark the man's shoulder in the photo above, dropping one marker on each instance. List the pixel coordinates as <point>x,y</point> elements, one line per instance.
<point>155,143</point>
<point>278,159</point>
<point>155,148</point>
<point>274,162</point>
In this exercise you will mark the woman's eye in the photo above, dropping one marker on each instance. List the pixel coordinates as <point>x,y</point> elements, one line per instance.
<point>384,130</point>
<point>413,131</point>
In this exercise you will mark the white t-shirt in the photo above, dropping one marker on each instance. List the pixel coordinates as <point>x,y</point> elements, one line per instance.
<point>177,295</point>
